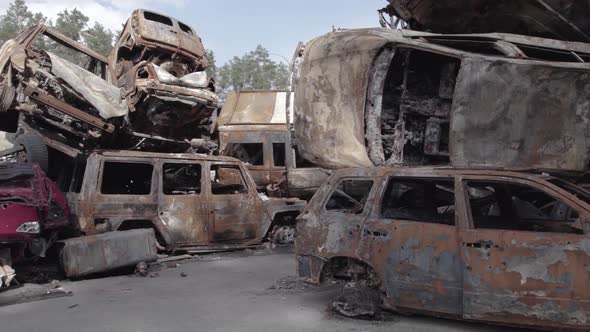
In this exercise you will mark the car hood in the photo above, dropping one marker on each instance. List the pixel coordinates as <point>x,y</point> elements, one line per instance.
<point>556,19</point>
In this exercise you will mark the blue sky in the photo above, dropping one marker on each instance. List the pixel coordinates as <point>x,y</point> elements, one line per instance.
<point>234,27</point>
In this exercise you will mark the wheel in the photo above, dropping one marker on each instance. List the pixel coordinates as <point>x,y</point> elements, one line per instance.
<point>282,235</point>
<point>35,150</point>
<point>357,300</point>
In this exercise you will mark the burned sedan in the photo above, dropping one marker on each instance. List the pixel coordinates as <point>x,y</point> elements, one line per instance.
<point>483,245</point>
<point>159,63</point>
<point>383,97</point>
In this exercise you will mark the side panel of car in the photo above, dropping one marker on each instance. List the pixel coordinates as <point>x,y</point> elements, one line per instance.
<point>116,190</point>
<point>182,203</point>
<point>230,190</point>
<point>522,263</point>
<point>411,241</point>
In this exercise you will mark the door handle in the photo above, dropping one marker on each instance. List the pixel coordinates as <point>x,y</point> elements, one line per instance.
<point>485,244</point>
<point>376,232</point>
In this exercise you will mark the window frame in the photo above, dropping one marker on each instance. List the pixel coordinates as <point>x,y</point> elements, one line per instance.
<point>367,206</point>
<point>230,165</point>
<point>544,186</point>
<point>254,166</point>
<point>177,162</point>
<point>450,178</point>
<point>272,145</point>
<point>131,161</point>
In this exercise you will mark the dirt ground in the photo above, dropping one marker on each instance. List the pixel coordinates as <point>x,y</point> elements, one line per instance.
<point>245,291</point>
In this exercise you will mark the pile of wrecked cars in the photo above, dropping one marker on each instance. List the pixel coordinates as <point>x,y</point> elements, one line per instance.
<point>121,137</point>
<point>460,153</point>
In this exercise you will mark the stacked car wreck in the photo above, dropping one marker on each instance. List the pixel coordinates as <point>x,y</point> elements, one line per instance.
<point>119,135</point>
<point>469,142</point>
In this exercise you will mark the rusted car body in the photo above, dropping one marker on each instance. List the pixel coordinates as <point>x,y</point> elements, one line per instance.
<point>557,19</point>
<point>193,202</point>
<point>54,95</point>
<point>78,100</point>
<point>159,63</point>
<point>483,245</point>
<point>400,97</point>
<point>252,126</point>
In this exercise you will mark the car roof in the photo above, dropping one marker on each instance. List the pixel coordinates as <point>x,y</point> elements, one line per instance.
<point>443,171</point>
<point>159,155</point>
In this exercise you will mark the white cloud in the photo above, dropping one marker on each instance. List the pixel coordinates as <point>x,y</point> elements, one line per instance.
<point>110,13</point>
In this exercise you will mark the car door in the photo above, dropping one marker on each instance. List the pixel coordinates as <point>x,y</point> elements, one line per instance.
<point>342,214</point>
<point>412,243</point>
<point>182,201</point>
<point>235,210</point>
<point>524,261</point>
<point>125,191</point>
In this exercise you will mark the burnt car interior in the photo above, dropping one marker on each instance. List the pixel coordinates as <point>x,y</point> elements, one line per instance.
<point>423,200</point>
<point>350,196</point>
<point>498,205</point>
<point>417,100</point>
<point>251,153</point>
<point>126,178</point>
<point>181,179</point>
<point>227,180</point>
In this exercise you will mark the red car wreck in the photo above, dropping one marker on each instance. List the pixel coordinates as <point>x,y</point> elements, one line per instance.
<point>483,245</point>
<point>32,213</point>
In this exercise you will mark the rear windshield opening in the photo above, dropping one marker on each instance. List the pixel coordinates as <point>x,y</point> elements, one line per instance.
<point>185,28</point>
<point>251,153</point>
<point>157,18</point>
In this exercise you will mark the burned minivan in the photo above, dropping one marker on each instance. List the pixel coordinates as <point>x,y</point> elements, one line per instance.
<point>482,245</point>
<point>192,202</point>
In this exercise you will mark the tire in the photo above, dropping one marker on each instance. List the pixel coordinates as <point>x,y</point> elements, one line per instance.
<point>35,150</point>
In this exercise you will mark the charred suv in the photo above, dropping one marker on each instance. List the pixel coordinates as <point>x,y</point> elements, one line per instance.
<point>484,245</point>
<point>193,202</point>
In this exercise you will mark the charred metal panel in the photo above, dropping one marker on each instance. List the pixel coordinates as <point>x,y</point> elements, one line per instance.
<point>330,98</point>
<point>539,120</point>
<point>98,253</point>
<point>557,19</point>
<point>420,263</point>
<point>526,277</point>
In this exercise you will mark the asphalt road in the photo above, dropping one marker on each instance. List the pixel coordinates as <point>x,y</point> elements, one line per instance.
<point>230,292</point>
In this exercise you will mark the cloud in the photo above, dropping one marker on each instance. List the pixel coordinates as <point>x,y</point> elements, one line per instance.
<point>110,13</point>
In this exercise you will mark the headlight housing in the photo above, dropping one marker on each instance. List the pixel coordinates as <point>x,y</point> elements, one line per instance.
<point>29,227</point>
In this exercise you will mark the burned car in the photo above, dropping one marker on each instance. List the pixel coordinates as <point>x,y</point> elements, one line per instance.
<point>159,63</point>
<point>33,213</point>
<point>193,202</point>
<point>253,127</point>
<point>74,99</point>
<point>483,245</point>
<point>557,19</point>
<point>70,107</point>
<point>400,97</point>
